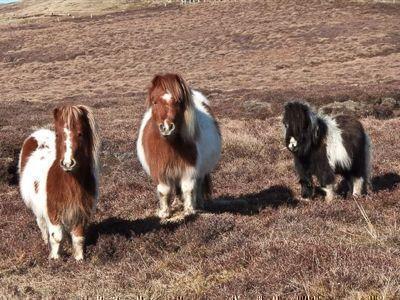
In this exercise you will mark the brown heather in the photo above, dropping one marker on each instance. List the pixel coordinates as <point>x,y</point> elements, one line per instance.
<point>256,238</point>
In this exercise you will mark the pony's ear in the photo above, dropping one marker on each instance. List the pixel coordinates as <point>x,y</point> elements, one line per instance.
<point>155,79</point>
<point>84,109</point>
<point>287,106</point>
<point>56,113</point>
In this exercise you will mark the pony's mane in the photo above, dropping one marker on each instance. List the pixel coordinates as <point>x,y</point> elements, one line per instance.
<point>74,113</point>
<point>178,88</point>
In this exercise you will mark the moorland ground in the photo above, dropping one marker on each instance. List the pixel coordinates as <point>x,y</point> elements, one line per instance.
<point>256,237</point>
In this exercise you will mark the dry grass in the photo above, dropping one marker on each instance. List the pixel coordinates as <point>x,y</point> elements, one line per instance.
<point>256,237</point>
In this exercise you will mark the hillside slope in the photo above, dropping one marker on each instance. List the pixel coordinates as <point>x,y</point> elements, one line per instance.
<point>33,9</point>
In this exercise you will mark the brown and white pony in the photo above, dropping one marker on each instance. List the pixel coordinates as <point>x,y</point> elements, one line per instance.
<point>179,143</point>
<point>59,176</point>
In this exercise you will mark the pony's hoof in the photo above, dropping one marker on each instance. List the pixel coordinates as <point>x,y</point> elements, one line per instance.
<point>329,199</point>
<point>163,214</point>
<point>189,212</point>
<point>54,256</point>
<point>305,200</point>
<point>78,257</point>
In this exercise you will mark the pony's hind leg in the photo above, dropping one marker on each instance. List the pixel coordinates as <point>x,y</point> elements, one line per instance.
<point>78,241</point>
<point>177,201</point>
<point>164,195</point>
<point>43,229</point>
<point>188,186</point>
<point>203,191</point>
<point>56,235</point>
<point>199,192</point>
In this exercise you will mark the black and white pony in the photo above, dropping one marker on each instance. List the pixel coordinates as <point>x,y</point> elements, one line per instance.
<point>324,146</point>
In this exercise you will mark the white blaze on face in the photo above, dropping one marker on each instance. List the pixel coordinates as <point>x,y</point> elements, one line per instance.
<point>167,96</point>
<point>292,143</point>
<point>166,125</point>
<point>68,147</point>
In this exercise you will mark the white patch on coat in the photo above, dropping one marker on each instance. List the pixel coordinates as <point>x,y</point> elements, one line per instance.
<point>292,143</point>
<point>56,236</point>
<point>77,245</point>
<point>189,196</point>
<point>167,96</point>
<point>209,141</point>
<point>329,192</point>
<point>336,152</point>
<point>164,194</point>
<point>358,186</point>
<point>163,188</point>
<point>139,143</point>
<point>68,148</point>
<point>36,170</point>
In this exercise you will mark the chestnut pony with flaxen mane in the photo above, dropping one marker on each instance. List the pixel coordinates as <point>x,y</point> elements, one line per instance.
<point>59,176</point>
<point>179,143</point>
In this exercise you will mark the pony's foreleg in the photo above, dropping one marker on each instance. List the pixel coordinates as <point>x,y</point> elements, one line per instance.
<point>56,234</point>
<point>164,195</point>
<point>43,229</point>
<point>188,186</point>
<point>78,240</point>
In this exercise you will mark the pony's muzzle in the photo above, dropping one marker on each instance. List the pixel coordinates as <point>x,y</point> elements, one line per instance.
<point>166,128</point>
<point>293,145</point>
<point>68,165</point>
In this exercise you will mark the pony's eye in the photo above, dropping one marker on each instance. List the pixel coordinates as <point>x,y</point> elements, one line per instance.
<point>80,134</point>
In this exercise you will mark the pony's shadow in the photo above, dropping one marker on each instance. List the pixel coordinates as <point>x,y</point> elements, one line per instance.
<point>388,182</point>
<point>10,174</point>
<point>130,228</point>
<point>250,204</point>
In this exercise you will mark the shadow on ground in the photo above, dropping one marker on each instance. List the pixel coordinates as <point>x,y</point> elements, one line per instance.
<point>250,204</point>
<point>388,181</point>
<point>130,228</point>
<point>9,167</point>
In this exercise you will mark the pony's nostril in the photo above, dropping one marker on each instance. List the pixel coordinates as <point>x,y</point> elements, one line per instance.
<point>73,163</point>
<point>161,126</point>
<point>171,127</point>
